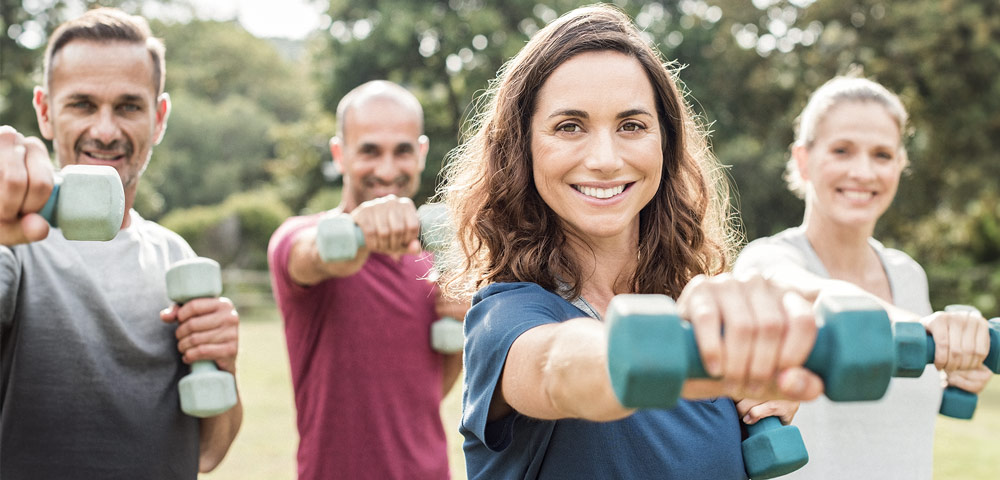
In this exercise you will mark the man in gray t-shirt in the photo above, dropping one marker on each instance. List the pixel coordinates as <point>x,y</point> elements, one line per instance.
<point>91,348</point>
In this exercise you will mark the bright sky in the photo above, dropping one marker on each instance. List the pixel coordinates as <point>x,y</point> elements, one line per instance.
<point>268,18</point>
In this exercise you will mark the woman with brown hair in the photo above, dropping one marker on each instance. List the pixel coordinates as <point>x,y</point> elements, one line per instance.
<point>586,176</point>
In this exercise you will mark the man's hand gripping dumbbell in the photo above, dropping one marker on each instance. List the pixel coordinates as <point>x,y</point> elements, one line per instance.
<point>340,239</point>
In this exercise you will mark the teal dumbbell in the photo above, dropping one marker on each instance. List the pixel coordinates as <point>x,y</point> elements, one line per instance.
<point>87,202</point>
<point>915,350</point>
<point>651,352</point>
<point>206,391</point>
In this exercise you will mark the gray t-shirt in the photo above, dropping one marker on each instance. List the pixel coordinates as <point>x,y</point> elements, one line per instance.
<point>892,438</point>
<point>88,371</point>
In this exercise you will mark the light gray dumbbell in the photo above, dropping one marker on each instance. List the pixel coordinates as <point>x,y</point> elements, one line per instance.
<point>338,239</point>
<point>206,391</point>
<point>447,335</point>
<point>87,202</point>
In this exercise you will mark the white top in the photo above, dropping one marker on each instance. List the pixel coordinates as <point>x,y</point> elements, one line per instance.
<point>892,438</point>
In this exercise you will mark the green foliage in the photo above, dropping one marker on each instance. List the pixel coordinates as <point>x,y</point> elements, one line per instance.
<point>249,115</point>
<point>235,232</point>
<point>211,150</point>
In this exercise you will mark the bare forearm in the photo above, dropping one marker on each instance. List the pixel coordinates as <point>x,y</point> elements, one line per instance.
<point>306,268</point>
<point>217,435</point>
<point>451,371</point>
<point>569,362</point>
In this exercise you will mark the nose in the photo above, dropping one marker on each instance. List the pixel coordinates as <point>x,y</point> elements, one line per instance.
<point>603,155</point>
<point>105,128</point>
<point>862,167</point>
<point>385,167</point>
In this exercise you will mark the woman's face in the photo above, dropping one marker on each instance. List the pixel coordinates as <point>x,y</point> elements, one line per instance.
<point>595,145</point>
<point>854,164</point>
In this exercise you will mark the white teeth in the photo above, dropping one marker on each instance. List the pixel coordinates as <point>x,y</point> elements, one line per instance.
<point>854,195</point>
<point>103,157</point>
<point>601,193</point>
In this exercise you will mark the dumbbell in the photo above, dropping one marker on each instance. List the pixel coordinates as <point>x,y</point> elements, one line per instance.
<point>338,239</point>
<point>87,202</point>
<point>206,391</point>
<point>651,352</point>
<point>915,350</point>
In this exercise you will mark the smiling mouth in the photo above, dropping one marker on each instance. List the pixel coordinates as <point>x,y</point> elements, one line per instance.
<point>601,193</point>
<point>105,157</point>
<point>856,195</point>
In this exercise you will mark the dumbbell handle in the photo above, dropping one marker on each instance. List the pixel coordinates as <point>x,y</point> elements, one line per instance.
<point>188,280</point>
<point>429,216</point>
<point>817,362</point>
<point>956,402</point>
<point>48,212</point>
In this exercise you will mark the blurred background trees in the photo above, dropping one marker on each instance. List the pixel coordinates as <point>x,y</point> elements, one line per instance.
<point>247,143</point>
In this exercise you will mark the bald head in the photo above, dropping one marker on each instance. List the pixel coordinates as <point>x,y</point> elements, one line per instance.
<point>377,91</point>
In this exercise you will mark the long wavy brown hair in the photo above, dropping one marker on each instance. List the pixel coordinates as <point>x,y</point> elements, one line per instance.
<point>506,232</point>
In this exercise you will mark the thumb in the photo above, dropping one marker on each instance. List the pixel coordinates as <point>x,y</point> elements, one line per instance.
<point>30,228</point>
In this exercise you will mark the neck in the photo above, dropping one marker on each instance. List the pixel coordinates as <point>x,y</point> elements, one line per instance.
<point>846,253</point>
<point>129,202</point>
<point>606,267</point>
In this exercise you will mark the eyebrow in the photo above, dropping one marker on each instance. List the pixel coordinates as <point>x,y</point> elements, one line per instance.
<point>121,98</point>
<point>569,112</point>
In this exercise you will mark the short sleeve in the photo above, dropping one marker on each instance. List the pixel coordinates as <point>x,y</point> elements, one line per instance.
<point>278,250</point>
<point>499,315</point>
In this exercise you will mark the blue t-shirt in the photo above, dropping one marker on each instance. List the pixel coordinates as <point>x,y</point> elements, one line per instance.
<point>695,440</point>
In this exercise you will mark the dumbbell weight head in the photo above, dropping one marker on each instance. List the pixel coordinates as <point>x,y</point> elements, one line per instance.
<point>853,353</point>
<point>206,391</point>
<point>647,350</point>
<point>447,336</point>
<point>772,449</point>
<point>435,234</point>
<point>87,202</point>
<point>194,278</point>
<point>338,238</point>
<point>992,361</point>
<point>913,352</point>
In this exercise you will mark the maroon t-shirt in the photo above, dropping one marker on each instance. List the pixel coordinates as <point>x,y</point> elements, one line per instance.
<point>367,384</point>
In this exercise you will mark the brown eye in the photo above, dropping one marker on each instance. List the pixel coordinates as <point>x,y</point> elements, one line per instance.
<point>633,127</point>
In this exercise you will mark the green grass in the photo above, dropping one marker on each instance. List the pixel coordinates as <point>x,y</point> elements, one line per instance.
<point>265,447</point>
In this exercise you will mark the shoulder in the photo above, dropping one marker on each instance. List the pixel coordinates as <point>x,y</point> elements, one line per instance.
<point>789,245</point>
<point>518,296</point>
<point>281,239</point>
<point>152,232</point>
<point>897,260</point>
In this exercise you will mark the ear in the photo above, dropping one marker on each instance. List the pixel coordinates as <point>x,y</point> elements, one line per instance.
<point>801,155</point>
<point>337,151</point>
<point>424,145</point>
<point>40,99</point>
<point>162,114</point>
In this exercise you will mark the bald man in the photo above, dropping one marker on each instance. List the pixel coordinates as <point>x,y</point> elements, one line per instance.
<point>368,386</point>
